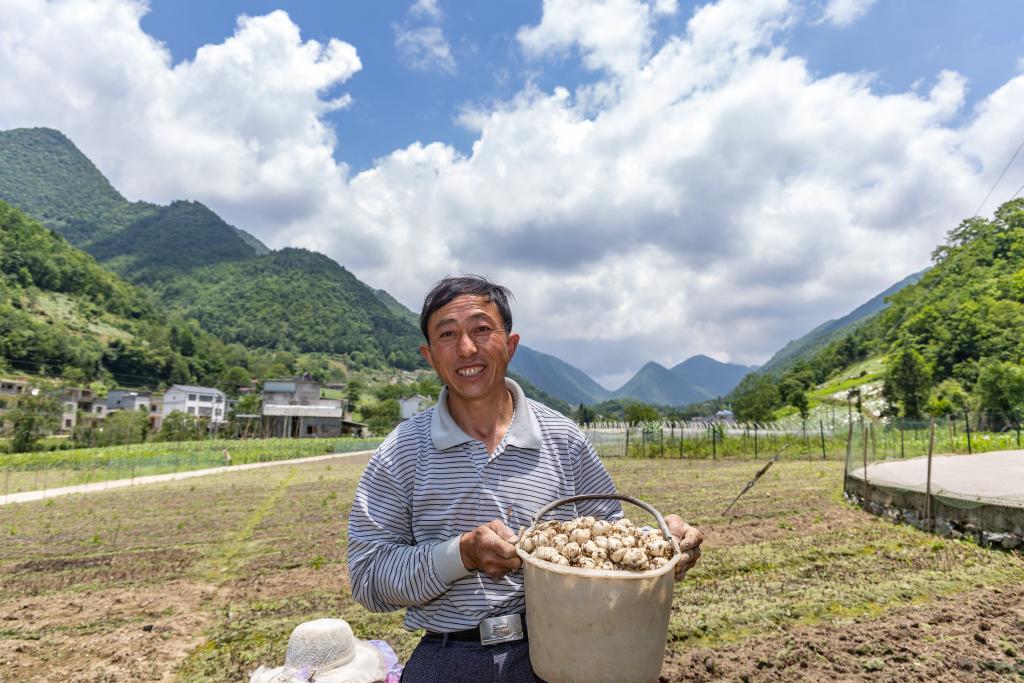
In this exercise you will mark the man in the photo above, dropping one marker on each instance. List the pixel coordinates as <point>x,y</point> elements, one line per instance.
<point>431,528</point>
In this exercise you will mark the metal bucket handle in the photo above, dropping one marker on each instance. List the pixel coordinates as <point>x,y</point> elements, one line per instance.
<point>612,496</point>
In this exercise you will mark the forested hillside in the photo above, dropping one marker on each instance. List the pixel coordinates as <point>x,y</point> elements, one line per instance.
<point>201,268</point>
<point>61,313</point>
<point>806,346</point>
<point>297,300</point>
<point>954,339</point>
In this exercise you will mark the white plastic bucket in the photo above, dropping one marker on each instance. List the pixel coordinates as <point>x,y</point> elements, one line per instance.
<point>596,625</point>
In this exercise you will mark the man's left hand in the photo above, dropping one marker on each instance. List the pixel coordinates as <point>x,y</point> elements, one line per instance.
<point>689,539</point>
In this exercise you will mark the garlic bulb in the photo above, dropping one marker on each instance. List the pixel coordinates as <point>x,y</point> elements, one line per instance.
<point>657,548</point>
<point>590,543</point>
<point>580,535</point>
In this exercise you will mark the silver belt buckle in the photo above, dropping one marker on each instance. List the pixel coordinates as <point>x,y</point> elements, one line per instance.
<point>503,629</point>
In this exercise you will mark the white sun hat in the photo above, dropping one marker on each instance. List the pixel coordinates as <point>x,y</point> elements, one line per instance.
<point>326,651</point>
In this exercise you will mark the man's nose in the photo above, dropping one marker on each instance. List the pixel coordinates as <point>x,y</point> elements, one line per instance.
<point>466,347</point>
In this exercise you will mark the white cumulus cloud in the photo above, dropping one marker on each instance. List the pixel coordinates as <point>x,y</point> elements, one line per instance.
<point>706,194</point>
<point>424,48</point>
<point>844,12</point>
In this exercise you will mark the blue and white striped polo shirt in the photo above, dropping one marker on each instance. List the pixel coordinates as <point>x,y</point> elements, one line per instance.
<point>429,482</point>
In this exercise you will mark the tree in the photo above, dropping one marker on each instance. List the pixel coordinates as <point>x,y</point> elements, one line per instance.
<point>585,414</point>
<point>791,391</point>
<point>353,392</point>
<point>907,380</point>
<point>381,416</point>
<point>1001,388</point>
<point>756,398</point>
<point>124,427</point>
<point>948,398</point>
<point>179,426</point>
<point>638,413</point>
<point>36,414</point>
<point>234,378</point>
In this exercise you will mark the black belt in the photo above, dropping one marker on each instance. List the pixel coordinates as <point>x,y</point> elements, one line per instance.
<point>470,634</point>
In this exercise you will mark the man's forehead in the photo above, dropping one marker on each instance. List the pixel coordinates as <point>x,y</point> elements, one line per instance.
<point>465,306</point>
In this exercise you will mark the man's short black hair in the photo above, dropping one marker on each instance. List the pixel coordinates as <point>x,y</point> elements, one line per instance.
<point>474,285</point>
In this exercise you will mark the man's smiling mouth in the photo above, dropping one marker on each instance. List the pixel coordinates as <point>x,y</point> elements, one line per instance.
<point>470,372</point>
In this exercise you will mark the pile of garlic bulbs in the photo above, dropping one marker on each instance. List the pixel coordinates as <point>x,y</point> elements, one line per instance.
<point>591,543</point>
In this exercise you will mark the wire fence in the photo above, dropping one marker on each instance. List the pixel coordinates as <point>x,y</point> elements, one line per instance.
<point>888,458</point>
<point>808,439</point>
<point>22,472</point>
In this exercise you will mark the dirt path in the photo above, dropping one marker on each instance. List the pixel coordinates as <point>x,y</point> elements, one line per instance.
<point>26,496</point>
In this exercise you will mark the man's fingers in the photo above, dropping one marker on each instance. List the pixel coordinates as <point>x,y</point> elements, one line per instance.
<point>692,538</point>
<point>498,527</point>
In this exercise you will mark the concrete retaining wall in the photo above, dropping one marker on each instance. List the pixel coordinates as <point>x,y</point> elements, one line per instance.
<point>990,525</point>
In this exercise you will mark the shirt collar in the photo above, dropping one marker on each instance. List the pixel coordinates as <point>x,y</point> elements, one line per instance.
<point>524,432</point>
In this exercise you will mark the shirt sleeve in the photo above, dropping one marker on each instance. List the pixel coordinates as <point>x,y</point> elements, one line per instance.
<point>387,569</point>
<point>592,477</point>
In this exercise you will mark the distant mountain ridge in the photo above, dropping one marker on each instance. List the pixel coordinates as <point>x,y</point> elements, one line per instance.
<point>806,346</point>
<point>557,377</point>
<point>201,266</point>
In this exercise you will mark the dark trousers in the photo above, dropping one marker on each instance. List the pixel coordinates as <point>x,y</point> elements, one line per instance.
<point>462,661</point>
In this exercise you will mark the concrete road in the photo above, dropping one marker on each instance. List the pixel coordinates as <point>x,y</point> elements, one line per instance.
<point>26,496</point>
<point>994,477</point>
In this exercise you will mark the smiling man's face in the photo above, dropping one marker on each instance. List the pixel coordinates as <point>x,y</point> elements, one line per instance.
<point>469,348</point>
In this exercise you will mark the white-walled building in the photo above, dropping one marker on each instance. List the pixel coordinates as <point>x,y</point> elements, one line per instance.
<point>414,404</point>
<point>203,402</point>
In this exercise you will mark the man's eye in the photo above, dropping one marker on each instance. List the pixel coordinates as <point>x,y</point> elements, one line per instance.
<point>483,329</point>
<point>449,333</point>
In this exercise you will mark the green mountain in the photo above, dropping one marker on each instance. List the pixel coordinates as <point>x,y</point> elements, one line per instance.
<point>61,313</point>
<point>169,241</point>
<point>203,268</point>
<point>707,375</point>
<point>557,377</point>
<point>959,329</point>
<point>656,384</point>
<point>297,300</point>
<point>806,346</point>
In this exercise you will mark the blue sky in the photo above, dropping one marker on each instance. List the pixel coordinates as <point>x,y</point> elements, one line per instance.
<point>395,104</point>
<point>653,179</point>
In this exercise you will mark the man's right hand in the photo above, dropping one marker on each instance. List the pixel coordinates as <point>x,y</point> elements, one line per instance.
<point>491,549</point>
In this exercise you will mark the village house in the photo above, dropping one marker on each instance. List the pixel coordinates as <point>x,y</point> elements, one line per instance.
<point>72,401</point>
<point>414,404</point>
<point>10,390</point>
<point>131,399</point>
<point>294,408</point>
<point>202,402</point>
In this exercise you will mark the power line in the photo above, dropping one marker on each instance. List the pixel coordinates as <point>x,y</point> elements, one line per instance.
<point>1019,190</point>
<point>995,184</point>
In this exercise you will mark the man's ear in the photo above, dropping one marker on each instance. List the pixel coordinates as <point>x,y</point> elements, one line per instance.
<point>425,352</point>
<point>513,343</point>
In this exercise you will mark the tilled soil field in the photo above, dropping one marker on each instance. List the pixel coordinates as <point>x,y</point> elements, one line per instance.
<point>203,580</point>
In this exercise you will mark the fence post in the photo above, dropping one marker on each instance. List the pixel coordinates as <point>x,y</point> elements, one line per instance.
<point>643,442</point>
<point>807,444</point>
<point>755,441</point>
<point>680,441</point>
<point>714,454</point>
<point>661,439</point>
<point>864,437</point>
<point>821,427</point>
<point>849,452</point>
<point>967,424</point>
<point>928,486</point>
<point>902,455</point>
<point>625,452</point>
